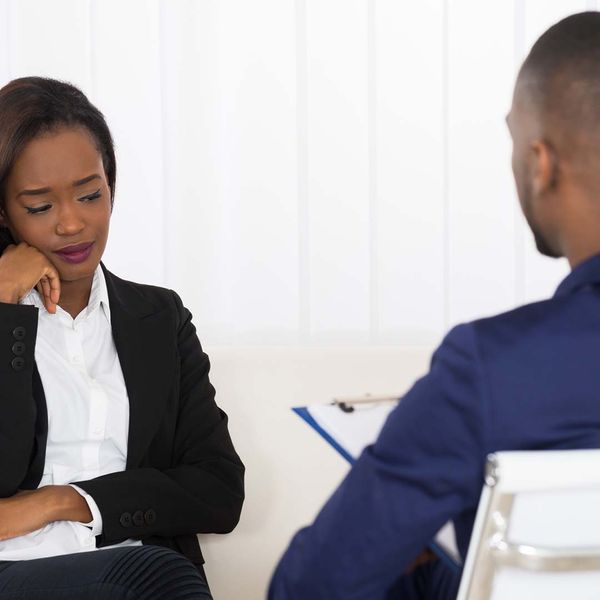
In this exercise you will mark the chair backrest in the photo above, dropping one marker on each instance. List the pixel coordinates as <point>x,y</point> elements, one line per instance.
<point>537,530</point>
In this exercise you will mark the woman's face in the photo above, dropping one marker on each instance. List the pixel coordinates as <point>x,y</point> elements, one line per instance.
<point>56,196</point>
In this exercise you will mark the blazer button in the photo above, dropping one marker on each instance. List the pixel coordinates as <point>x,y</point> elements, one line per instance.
<point>19,332</point>
<point>138,518</point>
<point>18,348</point>
<point>150,517</point>
<point>125,519</point>
<point>18,363</point>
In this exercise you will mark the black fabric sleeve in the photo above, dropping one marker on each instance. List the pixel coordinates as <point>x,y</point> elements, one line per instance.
<point>203,492</point>
<point>18,331</point>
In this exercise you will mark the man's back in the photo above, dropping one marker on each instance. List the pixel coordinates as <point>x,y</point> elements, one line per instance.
<point>526,379</point>
<point>540,372</point>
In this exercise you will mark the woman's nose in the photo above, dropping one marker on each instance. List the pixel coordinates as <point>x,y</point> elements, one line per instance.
<point>69,221</point>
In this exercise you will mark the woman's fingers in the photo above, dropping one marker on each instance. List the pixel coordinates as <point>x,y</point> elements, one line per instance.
<point>51,284</point>
<point>43,288</point>
<point>46,293</point>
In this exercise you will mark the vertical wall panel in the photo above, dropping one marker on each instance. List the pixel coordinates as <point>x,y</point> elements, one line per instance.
<point>542,274</point>
<point>231,160</point>
<point>410,169</point>
<point>4,43</point>
<point>127,89</point>
<point>50,39</point>
<point>481,196</point>
<point>194,157</point>
<point>304,295</point>
<point>338,169</point>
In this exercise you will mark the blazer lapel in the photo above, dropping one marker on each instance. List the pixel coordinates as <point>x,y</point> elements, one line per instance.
<point>143,336</point>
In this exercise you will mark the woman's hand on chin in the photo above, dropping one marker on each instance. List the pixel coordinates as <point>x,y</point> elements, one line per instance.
<point>29,510</point>
<point>21,268</point>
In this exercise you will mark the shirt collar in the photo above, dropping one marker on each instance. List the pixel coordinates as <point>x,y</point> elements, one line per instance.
<point>99,293</point>
<point>584,274</point>
<point>98,296</point>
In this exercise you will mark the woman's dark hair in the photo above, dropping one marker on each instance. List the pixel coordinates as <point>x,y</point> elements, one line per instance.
<point>33,106</point>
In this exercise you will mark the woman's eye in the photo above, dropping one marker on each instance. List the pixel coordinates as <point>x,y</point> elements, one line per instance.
<point>93,196</point>
<point>33,211</point>
<point>41,209</point>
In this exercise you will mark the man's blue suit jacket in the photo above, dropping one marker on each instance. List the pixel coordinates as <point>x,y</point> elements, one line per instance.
<point>528,379</point>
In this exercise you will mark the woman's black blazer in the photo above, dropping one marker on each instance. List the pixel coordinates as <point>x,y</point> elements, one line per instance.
<point>183,475</point>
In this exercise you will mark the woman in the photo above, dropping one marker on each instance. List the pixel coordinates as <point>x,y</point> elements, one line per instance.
<point>109,434</point>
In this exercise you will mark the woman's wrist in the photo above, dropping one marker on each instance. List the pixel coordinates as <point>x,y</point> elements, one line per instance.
<point>64,503</point>
<point>7,295</point>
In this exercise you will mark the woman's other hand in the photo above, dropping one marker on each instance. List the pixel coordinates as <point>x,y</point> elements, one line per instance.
<point>29,510</point>
<point>23,267</point>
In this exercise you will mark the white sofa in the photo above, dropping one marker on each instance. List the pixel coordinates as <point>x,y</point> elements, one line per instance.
<point>290,470</point>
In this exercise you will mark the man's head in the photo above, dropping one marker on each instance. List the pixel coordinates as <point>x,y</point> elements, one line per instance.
<point>555,125</point>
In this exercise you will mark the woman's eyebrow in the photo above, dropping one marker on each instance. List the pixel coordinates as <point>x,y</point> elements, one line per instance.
<point>34,192</point>
<point>45,190</point>
<point>86,180</point>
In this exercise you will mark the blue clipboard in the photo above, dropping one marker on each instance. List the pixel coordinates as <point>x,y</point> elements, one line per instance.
<point>302,412</point>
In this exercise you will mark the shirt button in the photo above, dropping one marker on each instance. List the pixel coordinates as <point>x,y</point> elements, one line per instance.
<point>138,518</point>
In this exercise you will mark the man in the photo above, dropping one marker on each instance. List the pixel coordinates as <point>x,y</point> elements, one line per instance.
<point>528,379</point>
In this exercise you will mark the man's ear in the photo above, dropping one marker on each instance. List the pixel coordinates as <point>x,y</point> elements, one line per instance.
<point>544,167</point>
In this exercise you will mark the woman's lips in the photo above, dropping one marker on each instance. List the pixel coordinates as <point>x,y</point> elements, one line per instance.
<point>82,253</point>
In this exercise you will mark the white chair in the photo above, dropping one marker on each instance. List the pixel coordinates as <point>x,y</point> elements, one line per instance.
<point>537,530</point>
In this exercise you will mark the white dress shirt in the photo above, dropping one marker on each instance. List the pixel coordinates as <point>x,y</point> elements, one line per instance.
<point>88,416</point>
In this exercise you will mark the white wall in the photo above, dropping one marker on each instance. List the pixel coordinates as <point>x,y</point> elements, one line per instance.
<point>306,171</point>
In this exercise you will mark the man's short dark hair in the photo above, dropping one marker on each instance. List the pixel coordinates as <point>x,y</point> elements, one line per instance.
<point>561,78</point>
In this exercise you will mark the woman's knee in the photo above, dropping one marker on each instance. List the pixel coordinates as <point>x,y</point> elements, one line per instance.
<point>156,572</point>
